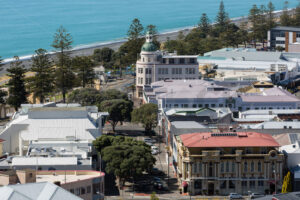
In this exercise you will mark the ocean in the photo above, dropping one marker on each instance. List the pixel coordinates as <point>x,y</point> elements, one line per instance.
<point>26,25</point>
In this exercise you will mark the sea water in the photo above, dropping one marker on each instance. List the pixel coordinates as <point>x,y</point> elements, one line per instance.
<point>26,25</point>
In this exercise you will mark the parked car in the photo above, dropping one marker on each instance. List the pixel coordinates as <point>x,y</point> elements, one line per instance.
<point>153,147</point>
<point>256,195</point>
<point>149,140</point>
<point>154,151</point>
<point>235,196</point>
<point>156,171</point>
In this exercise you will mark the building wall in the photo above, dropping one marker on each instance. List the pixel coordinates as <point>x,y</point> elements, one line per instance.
<point>234,170</point>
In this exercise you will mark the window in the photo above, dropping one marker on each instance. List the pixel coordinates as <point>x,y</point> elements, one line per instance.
<point>252,166</point>
<point>200,167</point>
<point>181,60</point>
<point>72,191</point>
<point>30,175</point>
<point>245,166</point>
<point>231,184</point>
<point>164,60</point>
<point>140,70</point>
<point>77,191</point>
<point>227,166</point>
<point>200,105</point>
<point>194,106</point>
<point>195,167</point>
<point>221,105</point>
<point>148,71</point>
<point>222,166</point>
<point>213,105</point>
<point>252,184</point>
<point>260,183</point>
<point>259,166</point>
<point>233,166</point>
<point>206,105</point>
<point>223,185</point>
<point>192,60</point>
<point>171,61</point>
<point>88,189</point>
<point>82,190</point>
<point>96,188</point>
<point>244,183</point>
<point>198,184</point>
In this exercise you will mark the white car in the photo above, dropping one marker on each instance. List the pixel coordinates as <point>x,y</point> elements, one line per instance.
<point>256,195</point>
<point>154,152</point>
<point>153,147</point>
<point>235,196</point>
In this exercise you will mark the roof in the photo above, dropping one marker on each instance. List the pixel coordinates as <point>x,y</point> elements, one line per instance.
<point>243,55</point>
<point>67,176</point>
<point>149,47</point>
<point>35,191</point>
<point>82,129</point>
<point>238,139</point>
<point>187,124</point>
<point>276,125</point>
<point>270,95</point>
<point>286,28</point>
<point>51,161</point>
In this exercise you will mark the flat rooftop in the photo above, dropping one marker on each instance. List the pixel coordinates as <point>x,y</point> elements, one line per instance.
<point>66,176</point>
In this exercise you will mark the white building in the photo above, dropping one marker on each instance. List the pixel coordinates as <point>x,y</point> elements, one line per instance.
<point>282,36</point>
<point>49,135</point>
<point>155,65</point>
<point>200,93</point>
<point>248,64</point>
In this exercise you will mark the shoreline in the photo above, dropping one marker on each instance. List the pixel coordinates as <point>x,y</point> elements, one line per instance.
<point>88,49</point>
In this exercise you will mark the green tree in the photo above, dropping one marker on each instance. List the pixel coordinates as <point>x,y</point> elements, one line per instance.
<point>3,93</point>
<point>222,18</point>
<point>84,66</point>
<point>85,96</point>
<point>64,76</point>
<point>16,84</point>
<point>152,29</point>
<point>125,157</point>
<point>104,56</point>
<point>229,37</point>
<point>297,16</point>
<point>285,18</point>
<point>204,24</point>
<point>146,115</point>
<point>270,16</point>
<point>119,110</point>
<point>135,30</point>
<point>257,17</point>
<point>42,83</point>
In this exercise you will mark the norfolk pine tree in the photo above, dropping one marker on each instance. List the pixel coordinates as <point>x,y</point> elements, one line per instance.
<point>84,66</point>
<point>3,93</point>
<point>42,83</point>
<point>222,18</point>
<point>285,18</point>
<point>64,77</point>
<point>204,24</point>
<point>16,84</point>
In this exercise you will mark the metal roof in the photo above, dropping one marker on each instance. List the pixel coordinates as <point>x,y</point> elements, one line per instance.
<point>35,191</point>
<point>286,28</point>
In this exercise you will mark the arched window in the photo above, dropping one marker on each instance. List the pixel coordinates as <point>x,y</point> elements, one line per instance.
<point>245,166</point>
<point>252,166</point>
<point>259,166</point>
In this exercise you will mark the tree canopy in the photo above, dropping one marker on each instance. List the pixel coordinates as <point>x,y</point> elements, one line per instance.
<point>16,84</point>
<point>146,115</point>
<point>84,66</point>
<point>64,76</point>
<point>125,157</point>
<point>119,110</point>
<point>42,83</point>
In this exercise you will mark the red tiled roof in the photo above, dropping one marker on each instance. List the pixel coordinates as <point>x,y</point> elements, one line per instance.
<point>239,139</point>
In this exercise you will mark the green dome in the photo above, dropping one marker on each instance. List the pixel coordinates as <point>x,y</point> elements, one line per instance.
<point>149,46</point>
